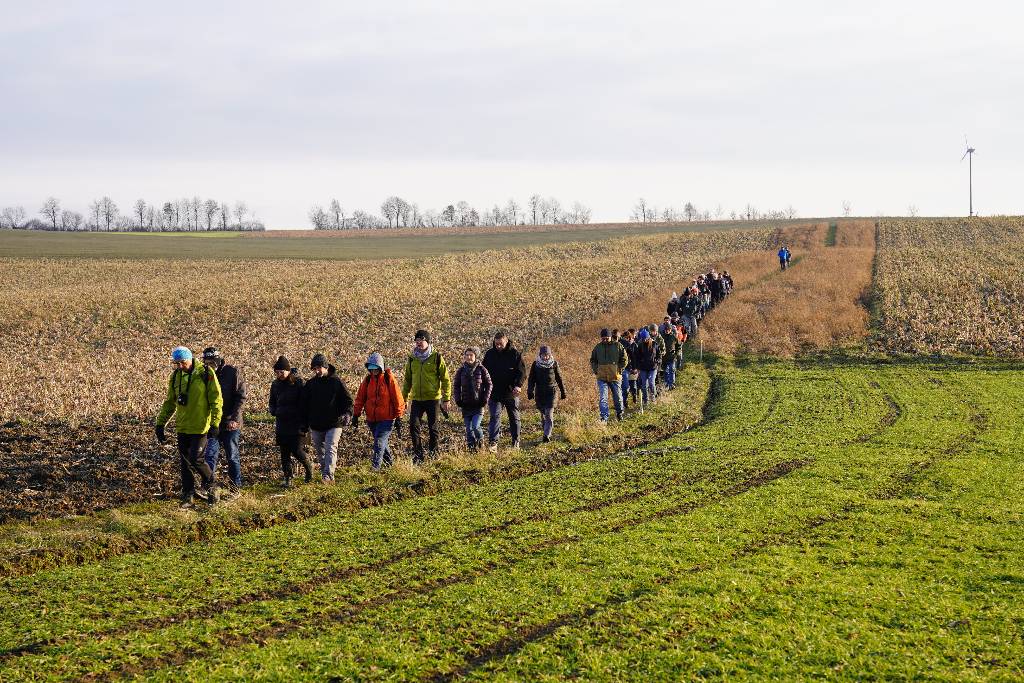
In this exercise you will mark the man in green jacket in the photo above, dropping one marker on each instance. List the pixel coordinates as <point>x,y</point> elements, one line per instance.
<point>194,399</point>
<point>607,361</point>
<point>425,386</point>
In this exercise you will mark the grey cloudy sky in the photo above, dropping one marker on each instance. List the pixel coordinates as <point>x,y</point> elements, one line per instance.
<point>290,104</point>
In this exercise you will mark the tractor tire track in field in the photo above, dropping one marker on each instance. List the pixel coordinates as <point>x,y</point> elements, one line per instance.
<point>349,613</point>
<point>897,487</point>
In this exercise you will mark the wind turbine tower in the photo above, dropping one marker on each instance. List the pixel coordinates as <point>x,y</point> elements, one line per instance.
<point>969,155</point>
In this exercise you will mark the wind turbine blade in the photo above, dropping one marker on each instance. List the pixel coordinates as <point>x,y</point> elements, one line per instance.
<point>964,156</point>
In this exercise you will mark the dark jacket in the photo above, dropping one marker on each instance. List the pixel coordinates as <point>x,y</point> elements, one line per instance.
<point>690,306</point>
<point>324,400</point>
<point>286,405</point>
<point>472,387</point>
<point>647,356</point>
<point>542,384</point>
<point>233,389</point>
<point>507,369</point>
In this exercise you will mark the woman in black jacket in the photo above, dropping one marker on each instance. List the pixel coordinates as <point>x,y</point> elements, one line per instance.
<point>544,379</point>
<point>289,424</point>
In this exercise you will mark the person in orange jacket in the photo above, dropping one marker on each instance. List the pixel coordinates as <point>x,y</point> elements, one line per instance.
<point>381,399</point>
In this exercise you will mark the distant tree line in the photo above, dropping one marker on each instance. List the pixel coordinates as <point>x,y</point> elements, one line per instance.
<point>182,215</point>
<point>648,213</point>
<point>396,212</point>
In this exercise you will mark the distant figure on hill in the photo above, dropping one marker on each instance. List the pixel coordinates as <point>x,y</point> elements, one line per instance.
<point>545,378</point>
<point>194,399</point>
<point>784,256</point>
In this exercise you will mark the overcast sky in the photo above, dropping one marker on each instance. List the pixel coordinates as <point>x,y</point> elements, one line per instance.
<point>289,104</point>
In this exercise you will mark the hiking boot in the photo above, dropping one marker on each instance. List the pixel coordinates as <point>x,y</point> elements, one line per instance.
<point>432,455</point>
<point>546,439</point>
<point>186,498</point>
<point>515,445</point>
<point>213,494</point>
<point>493,447</point>
<point>417,459</point>
<point>287,481</point>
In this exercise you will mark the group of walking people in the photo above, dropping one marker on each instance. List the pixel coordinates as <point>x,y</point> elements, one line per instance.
<point>207,399</point>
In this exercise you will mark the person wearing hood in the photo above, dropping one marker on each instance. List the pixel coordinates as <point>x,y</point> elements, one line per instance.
<point>195,402</point>
<point>472,390</point>
<point>289,423</point>
<point>326,408</point>
<point>646,359</point>
<point>630,376</point>
<point>672,309</point>
<point>607,361</point>
<point>544,379</point>
<point>669,338</point>
<point>508,373</point>
<point>233,391</point>
<point>381,400</point>
<point>689,308</point>
<point>425,386</point>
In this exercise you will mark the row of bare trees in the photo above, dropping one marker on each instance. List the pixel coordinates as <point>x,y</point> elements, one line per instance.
<point>644,212</point>
<point>396,212</point>
<point>104,215</point>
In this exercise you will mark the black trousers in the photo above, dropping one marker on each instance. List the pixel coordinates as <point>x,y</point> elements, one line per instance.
<point>416,411</point>
<point>291,447</point>
<point>191,452</point>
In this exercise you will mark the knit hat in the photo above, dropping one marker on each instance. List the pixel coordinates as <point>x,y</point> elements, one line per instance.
<point>422,334</point>
<point>211,353</point>
<point>319,361</point>
<point>474,349</point>
<point>544,350</point>
<point>180,353</point>
<point>375,361</point>
<point>652,328</point>
<point>605,332</point>
<point>282,364</point>
<point>644,334</point>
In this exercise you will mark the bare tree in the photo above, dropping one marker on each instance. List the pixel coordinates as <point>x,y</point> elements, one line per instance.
<point>240,212</point>
<point>912,211</point>
<point>336,215</point>
<point>640,211</point>
<point>689,211</point>
<point>51,210</point>
<point>512,212</point>
<point>389,209</point>
<point>535,206</point>
<point>109,212</point>
<point>140,212</point>
<point>319,218</point>
<point>225,215</point>
<point>463,213</point>
<point>448,215</point>
<point>847,208</point>
<point>581,213</point>
<point>71,220</point>
<point>13,217</point>
<point>210,209</point>
<point>790,212</point>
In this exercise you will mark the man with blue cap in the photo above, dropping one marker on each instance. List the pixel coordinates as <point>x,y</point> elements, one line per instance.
<point>194,400</point>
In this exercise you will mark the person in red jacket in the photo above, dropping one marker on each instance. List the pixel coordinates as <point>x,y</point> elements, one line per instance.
<point>381,399</point>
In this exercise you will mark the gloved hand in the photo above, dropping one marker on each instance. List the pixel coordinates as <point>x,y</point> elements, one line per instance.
<point>563,397</point>
<point>355,420</point>
<point>213,433</point>
<point>160,436</point>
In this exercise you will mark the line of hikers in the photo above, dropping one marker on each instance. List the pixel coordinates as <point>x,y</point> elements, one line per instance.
<point>207,399</point>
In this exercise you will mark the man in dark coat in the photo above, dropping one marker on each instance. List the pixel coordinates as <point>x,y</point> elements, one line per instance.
<point>508,372</point>
<point>229,440</point>
<point>326,407</point>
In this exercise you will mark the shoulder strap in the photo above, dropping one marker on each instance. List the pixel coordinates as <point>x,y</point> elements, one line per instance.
<point>438,364</point>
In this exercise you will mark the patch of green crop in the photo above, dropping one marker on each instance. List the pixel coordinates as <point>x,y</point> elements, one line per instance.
<point>840,520</point>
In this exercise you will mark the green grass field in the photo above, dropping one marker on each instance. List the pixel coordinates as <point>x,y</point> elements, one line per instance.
<point>30,244</point>
<point>831,518</point>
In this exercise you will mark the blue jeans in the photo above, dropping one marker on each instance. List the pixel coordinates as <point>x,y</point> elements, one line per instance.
<point>494,407</point>
<point>230,443</point>
<point>603,388</point>
<point>381,431</point>
<point>647,385</point>
<point>472,417</point>
<point>670,372</point>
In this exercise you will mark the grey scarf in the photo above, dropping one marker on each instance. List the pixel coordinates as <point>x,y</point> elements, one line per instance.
<point>424,355</point>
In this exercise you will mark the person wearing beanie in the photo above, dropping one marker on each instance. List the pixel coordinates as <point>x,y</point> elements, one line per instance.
<point>425,386</point>
<point>689,307</point>
<point>544,379</point>
<point>289,427</point>
<point>381,400</point>
<point>195,402</point>
<point>630,376</point>
<point>646,358</point>
<point>233,391</point>
<point>667,332</point>
<point>326,408</point>
<point>607,361</point>
<point>508,374</point>
<point>472,390</point>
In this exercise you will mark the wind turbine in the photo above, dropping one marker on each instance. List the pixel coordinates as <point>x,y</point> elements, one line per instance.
<point>969,154</point>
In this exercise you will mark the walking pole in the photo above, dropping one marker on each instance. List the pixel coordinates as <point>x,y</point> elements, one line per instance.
<point>701,350</point>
